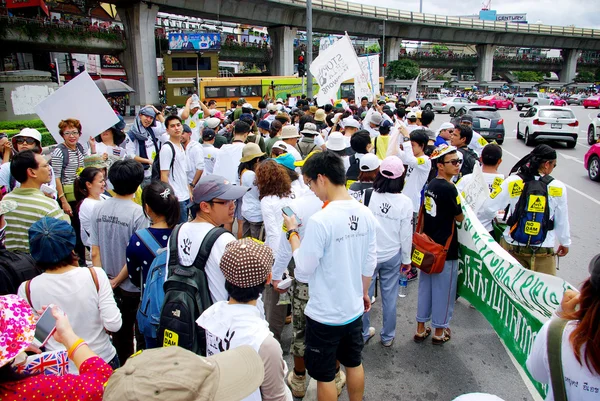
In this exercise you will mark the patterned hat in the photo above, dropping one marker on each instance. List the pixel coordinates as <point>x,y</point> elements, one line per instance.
<point>441,151</point>
<point>247,262</point>
<point>17,327</point>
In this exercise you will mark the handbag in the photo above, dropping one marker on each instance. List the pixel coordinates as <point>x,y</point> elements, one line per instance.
<point>428,255</point>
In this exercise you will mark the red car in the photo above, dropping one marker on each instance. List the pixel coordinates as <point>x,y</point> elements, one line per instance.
<point>558,101</point>
<point>591,161</point>
<point>497,102</point>
<point>592,101</point>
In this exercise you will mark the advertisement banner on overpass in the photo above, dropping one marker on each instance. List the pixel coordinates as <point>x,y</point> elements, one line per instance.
<point>194,41</point>
<point>514,18</point>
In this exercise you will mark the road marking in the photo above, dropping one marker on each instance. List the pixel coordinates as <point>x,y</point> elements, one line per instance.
<point>568,157</point>
<point>597,202</point>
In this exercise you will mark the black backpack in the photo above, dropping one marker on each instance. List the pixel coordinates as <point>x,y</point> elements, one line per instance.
<point>530,221</point>
<point>15,268</point>
<point>156,163</point>
<point>354,169</point>
<point>186,296</point>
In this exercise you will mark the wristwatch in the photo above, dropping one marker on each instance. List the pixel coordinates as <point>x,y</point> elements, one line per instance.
<point>289,233</point>
<point>406,138</point>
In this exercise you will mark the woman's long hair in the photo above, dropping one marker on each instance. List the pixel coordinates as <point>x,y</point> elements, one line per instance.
<point>529,165</point>
<point>587,331</point>
<point>272,179</point>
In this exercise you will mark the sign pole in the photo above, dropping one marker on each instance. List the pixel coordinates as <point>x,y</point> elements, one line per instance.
<point>309,48</point>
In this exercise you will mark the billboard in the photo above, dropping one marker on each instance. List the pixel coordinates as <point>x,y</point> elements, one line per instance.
<point>194,41</point>
<point>108,61</point>
<point>514,18</point>
<point>487,15</point>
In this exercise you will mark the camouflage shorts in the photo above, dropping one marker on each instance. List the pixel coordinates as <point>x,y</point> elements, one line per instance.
<point>300,298</point>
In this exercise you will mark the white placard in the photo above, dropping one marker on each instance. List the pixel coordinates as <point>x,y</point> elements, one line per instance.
<point>80,99</point>
<point>370,68</point>
<point>333,66</point>
<point>476,191</point>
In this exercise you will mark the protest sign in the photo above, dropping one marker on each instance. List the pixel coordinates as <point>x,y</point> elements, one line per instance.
<point>475,190</point>
<point>370,67</point>
<point>324,43</point>
<point>333,66</point>
<point>515,301</point>
<point>80,99</point>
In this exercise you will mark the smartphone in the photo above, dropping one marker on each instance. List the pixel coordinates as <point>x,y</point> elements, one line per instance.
<point>289,212</point>
<point>47,189</point>
<point>45,326</point>
<point>285,283</point>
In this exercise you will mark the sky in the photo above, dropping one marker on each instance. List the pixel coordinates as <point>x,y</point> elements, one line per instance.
<point>581,13</point>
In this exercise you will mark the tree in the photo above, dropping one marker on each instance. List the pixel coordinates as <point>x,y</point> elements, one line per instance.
<point>439,49</point>
<point>584,76</point>
<point>403,69</point>
<point>374,48</point>
<point>529,76</point>
<point>597,76</point>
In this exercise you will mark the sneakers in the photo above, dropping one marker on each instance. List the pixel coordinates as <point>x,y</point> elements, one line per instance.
<point>387,343</point>
<point>340,381</point>
<point>298,384</point>
<point>412,275</point>
<point>370,335</point>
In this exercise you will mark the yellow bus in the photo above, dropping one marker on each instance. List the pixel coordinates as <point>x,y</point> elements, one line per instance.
<point>253,89</point>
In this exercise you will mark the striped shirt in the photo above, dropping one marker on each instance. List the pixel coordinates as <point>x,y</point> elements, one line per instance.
<point>75,161</point>
<point>32,206</point>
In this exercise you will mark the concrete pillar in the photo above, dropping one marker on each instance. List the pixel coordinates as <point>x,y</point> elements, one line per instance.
<point>569,65</point>
<point>485,64</point>
<point>392,49</point>
<point>282,43</point>
<point>139,59</point>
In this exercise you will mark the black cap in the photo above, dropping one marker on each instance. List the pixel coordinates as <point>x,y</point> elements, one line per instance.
<point>594,269</point>
<point>186,128</point>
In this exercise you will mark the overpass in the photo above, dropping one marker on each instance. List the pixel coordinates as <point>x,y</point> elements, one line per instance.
<point>285,17</point>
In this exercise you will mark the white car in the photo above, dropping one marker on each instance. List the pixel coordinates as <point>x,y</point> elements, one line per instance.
<point>593,132</point>
<point>429,99</point>
<point>548,122</point>
<point>451,104</point>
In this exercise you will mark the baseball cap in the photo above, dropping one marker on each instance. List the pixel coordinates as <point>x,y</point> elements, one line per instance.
<point>441,151</point>
<point>51,240</point>
<point>300,163</point>
<point>17,329</point>
<point>213,186</point>
<point>369,162</point>
<point>194,105</point>
<point>279,100</point>
<point>246,116</point>
<point>148,111</point>
<point>208,134</point>
<point>466,119</point>
<point>264,124</point>
<point>250,151</point>
<point>280,145</point>
<point>246,262</point>
<point>212,122</point>
<point>31,133</point>
<point>174,373</point>
<point>411,115</point>
<point>336,141</point>
<point>386,124</point>
<point>445,126</point>
<point>310,128</point>
<point>351,122</point>
<point>594,269</point>
<point>286,160</point>
<point>376,118</point>
<point>391,167</point>
<point>186,128</point>
<point>246,106</point>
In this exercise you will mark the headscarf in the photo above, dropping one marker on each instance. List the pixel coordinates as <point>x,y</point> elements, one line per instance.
<point>530,164</point>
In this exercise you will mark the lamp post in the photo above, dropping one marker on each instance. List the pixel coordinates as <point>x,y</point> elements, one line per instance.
<point>309,49</point>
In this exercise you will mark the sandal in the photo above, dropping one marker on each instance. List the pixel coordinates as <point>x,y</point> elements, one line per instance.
<point>420,337</point>
<point>447,335</point>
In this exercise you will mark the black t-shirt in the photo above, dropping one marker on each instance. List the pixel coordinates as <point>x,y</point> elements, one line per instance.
<point>441,206</point>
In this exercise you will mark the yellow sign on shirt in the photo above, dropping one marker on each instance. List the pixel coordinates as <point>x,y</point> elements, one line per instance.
<point>515,188</point>
<point>171,338</point>
<point>555,191</point>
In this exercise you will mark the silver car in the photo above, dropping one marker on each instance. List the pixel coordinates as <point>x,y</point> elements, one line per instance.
<point>451,104</point>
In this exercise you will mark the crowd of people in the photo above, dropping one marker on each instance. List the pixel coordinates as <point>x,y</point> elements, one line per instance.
<point>209,231</point>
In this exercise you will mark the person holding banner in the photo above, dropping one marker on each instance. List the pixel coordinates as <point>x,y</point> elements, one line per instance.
<point>441,209</point>
<point>579,340</point>
<point>539,163</point>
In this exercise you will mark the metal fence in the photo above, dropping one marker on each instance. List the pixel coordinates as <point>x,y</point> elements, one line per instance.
<point>391,14</point>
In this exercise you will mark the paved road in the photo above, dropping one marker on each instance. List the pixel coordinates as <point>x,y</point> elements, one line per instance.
<point>475,360</point>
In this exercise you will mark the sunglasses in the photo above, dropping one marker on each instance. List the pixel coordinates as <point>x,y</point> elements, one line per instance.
<point>28,141</point>
<point>454,162</point>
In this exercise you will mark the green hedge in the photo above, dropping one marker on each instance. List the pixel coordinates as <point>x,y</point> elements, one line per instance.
<point>47,138</point>
<point>20,124</point>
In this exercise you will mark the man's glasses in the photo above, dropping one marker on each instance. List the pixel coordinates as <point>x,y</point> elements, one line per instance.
<point>28,141</point>
<point>308,183</point>
<point>454,162</point>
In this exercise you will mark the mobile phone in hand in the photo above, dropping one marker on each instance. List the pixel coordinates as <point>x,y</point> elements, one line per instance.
<point>45,326</point>
<point>289,212</point>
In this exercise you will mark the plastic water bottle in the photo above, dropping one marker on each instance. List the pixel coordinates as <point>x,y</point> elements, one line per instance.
<point>403,285</point>
<point>195,98</point>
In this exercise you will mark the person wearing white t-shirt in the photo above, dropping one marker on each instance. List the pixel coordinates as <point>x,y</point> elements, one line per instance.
<point>209,150</point>
<point>227,163</point>
<point>491,158</point>
<point>214,198</point>
<point>192,116</point>
<point>195,156</point>
<point>90,184</point>
<point>477,142</point>
<point>578,345</point>
<point>174,164</point>
<point>289,136</point>
<point>337,257</point>
<point>394,213</point>
<point>252,155</point>
<point>143,138</point>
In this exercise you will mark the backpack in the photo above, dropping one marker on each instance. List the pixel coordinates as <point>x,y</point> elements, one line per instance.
<point>15,268</point>
<point>354,169</point>
<point>303,148</point>
<point>65,156</point>
<point>156,163</point>
<point>530,221</point>
<point>152,293</point>
<point>367,198</point>
<point>186,296</point>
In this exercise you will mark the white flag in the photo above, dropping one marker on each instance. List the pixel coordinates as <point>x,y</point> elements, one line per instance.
<point>324,43</point>
<point>370,68</point>
<point>334,65</point>
<point>412,95</point>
